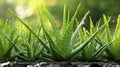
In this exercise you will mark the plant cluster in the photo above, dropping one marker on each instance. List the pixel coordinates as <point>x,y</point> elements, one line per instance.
<point>70,43</point>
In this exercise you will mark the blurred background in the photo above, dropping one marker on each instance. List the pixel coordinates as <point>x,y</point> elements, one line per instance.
<point>28,9</point>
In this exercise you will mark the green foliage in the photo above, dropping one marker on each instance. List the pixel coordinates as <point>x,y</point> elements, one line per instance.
<point>116,43</point>
<point>70,43</point>
<point>64,49</point>
<point>113,49</point>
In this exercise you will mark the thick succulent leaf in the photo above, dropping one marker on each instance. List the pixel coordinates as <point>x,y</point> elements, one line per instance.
<point>39,53</point>
<point>29,52</point>
<point>109,38</point>
<point>73,18</point>
<point>108,50</point>
<point>91,26</point>
<point>39,39</point>
<point>46,59</point>
<point>117,26</point>
<point>116,44</point>
<point>22,56</point>
<point>75,34</point>
<point>115,47</point>
<point>7,53</point>
<point>2,48</point>
<point>68,17</point>
<point>64,19</point>
<point>55,50</point>
<point>52,21</point>
<point>103,48</point>
<point>90,49</point>
<point>29,38</point>
<point>64,43</point>
<point>79,48</point>
<point>99,52</point>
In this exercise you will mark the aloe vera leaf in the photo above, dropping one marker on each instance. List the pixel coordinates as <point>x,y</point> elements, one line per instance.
<point>75,34</point>
<point>115,46</point>
<point>73,18</point>
<point>39,39</point>
<point>48,55</point>
<point>64,19</point>
<point>39,53</point>
<point>64,43</point>
<point>86,52</point>
<point>29,52</point>
<point>46,59</point>
<point>109,38</point>
<point>56,51</point>
<point>22,56</point>
<point>16,47</point>
<point>29,38</point>
<point>54,48</point>
<point>99,41</point>
<point>108,50</point>
<point>2,48</point>
<point>117,26</point>
<point>78,49</point>
<point>68,17</point>
<point>52,21</point>
<point>99,52</point>
<point>7,53</point>
<point>91,26</point>
<point>90,49</point>
<point>39,30</point>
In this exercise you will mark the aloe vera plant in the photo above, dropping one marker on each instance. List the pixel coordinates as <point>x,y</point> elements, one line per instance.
<point>63,45</point>
<point>93,50</point>
<point>19,45</point>
<point>113,49</point>
<point>30,51</point>
<point>27,47</point>
<point>7,44</point>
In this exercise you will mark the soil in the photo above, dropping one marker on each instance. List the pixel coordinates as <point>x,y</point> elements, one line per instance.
<point>58,64</point>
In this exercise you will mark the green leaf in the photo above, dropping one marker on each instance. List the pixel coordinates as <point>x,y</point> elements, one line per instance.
<point>109,38</point>
<point>108,50</point>
<point>22,56</point>
<point>104,47</point>
<point>79,48</point>
<point>75,34</point>
<point>39,53</point>
<point>7,53</point>
<point>68,17</point>
<point>73,18</point>
<point>117,26</point>
<point>56,51</point>
<point>91,26</point>
<point>52,21</point>
<point>64,20</point>
<point>39,39</point>
<point>64,43</point>
<point>99,52</point>
<point>29,52</point>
